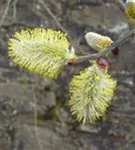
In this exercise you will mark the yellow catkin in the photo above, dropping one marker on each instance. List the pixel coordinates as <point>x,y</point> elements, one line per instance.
<point>130,12</point>
<point>40,50</point>
<point>91,92</point>
<point>97,41</point>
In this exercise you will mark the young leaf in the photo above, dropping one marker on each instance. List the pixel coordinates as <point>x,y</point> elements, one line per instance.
<point>91,92</point>
<point>40,50</point>
<point>97,41</point>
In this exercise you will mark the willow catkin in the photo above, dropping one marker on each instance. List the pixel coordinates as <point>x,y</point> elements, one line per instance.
<point>97,41</point>
<point>40,50</point>
<point>130,12</point>
<point>91,92</point>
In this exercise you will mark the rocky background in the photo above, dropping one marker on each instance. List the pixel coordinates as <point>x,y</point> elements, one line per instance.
<point>20,90</point>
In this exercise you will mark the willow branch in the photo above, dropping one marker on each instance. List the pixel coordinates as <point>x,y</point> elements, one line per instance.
<point>52,15</point>
<point>108,49</point>
<point>5,13</point>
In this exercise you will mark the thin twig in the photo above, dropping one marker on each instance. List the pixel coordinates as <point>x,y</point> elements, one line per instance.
<point>108,49</point>
<point>121,4</point>
<point>15,23</point>
<point>14,9</point>
<point>5,13</point>
<point>52,15</point>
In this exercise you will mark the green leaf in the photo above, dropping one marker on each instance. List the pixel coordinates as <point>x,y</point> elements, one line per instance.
<point>40,50</point>
<point>91,92</point>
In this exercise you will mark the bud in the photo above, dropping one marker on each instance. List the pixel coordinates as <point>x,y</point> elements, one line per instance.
<point>97,41</point>
<point>91,92</point>
<point>71,62</point>
<point>40,50</point>
<point>130,11</point>
<point>115,51</point>
<point>102,62</point>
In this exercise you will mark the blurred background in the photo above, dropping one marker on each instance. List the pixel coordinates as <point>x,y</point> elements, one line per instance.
<point>20,90</point>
